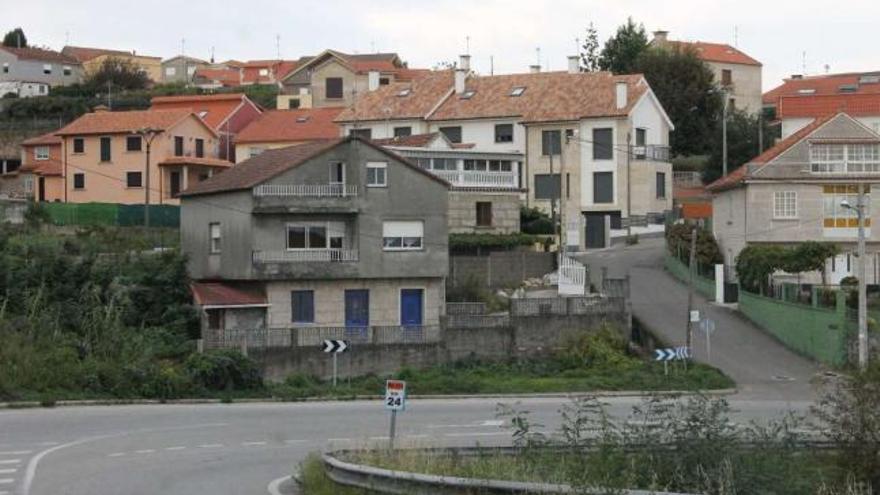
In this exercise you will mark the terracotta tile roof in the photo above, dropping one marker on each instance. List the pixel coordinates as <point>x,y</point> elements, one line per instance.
<point>424,94</point>
<point>696,210</point>
<point>548,96</point>
<point>736,177</point>
<point>408,74</point>
<point>411,141</point>
<point>303,124</point>
<point>716,52</point>
<point>856,105</point>
<point>43,167</point>
<point>826,84</point>
<point>188,59</point>
<point>30,53</point>
<point>217,108</point>
<point>46,139</point>
<point>228,294</point>
<point>688,193</point>
<point>226,77</point>
<point>84,54</point>
<point>123,122</point>
<point>192,160</point>
<point>270,163</point>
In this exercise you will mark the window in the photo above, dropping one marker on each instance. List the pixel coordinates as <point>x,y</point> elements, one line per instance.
<point>200,148</point>
<point>47,68</point>
<point>484,214</point>
<point>377,174</point>
<point>504,133</point>
<point>383,81</point>
<point>67,70</point>
<point>476,165</point>
<point>29,185</point>
<point>133,179</point>
<point>311,236</point>
<point>836,216</point>
<point>500,166</point>
<point>726,77</point>
<point>402,131</point>
<point>603,187</point>
<point>333,87</point>
<point>404,92</point>
<point>6,67</point>
<point>215,318</point>
<point>42,89</point>
<point>443,164</point>
<point>170,71</point>
<point>337,173</point>
<point>302,306</point>
<point>641,138</point>
<point>518,91</point>
<point>453,133</point>
<point>105,149</point>
<point>41,153</point>
<point>844,158</point>
<point>254,151</point>
<point>467,95</point>
<point>264,72</point>
<point>178,145</point>
<point>214,234</point>
<point>547,186</point>
<point>661,185</point>
<point>785,204</point>
<point>361,133</point>
<point>402,236</point>
<point>133,143</point>
<point>79,145</point>
<point>603,144</point>
<point>551,142</point>
<point>79,181</point>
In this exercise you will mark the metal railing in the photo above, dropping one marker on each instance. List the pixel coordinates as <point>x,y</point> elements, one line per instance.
<point>478,321</point>
<point>465,308</point>
<point>687,179</point>
<point>572,277</point>
<point>651,152</point>
<point>307,190</point>
<point>476,178</point>
<point>306,255</point>
<point>284,338</point>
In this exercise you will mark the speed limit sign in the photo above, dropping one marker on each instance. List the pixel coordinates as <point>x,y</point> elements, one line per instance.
<point>395,395</point>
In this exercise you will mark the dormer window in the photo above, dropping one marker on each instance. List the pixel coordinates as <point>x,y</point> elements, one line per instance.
<point>467,95</point>
<point>302,120</point>
<point>848,88</point>
<point>518,91</point>
<point>264,72</point>
<point>806,91</point>
<point>203,114</point>
<point>404,92</point>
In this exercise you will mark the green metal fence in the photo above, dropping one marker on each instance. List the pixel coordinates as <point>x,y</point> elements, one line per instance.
<point>112,214</point>
<point>704,285</point>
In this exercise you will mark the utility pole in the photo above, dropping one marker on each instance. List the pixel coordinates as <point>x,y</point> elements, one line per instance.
<point>147,134</point>
<point>760,133</point>
<point>629,187</point>
<point>562,217</point>
<point>724,134</point>
<point>863,296</point>
<point>691,267</point>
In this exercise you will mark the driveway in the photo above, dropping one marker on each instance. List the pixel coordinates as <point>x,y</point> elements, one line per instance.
<point>761,366</point>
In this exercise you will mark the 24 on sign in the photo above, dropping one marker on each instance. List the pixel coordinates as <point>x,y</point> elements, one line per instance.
<point>395,395</point>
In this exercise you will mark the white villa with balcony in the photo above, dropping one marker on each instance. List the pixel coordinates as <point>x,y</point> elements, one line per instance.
<point>794,192</point>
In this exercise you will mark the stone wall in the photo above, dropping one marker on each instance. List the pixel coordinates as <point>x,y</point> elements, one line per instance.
<point>463,212</point>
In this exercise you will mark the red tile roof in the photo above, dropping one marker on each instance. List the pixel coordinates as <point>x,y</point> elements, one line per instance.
<point>123,122</point>
<point>30,53</point>
<point>193,160</point>
<point>226,77</point>
<point>411,141</point>
<point>424,94</point>
<point>716,52</point>
<point>826,84</point>
<point>302,124</point>
<point>46,139</point>
<point>736,177</point>
<point>217,108</point>
<point>228,294</point>
<point>856,105</point>
<point>696,210</point>
<point>43,167</point>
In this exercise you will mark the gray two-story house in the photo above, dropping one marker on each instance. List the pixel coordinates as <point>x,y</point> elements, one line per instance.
<point>338,233</point>
<point>24,68</point>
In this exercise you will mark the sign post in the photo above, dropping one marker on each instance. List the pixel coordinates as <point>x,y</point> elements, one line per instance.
<point>681,353</point>
<point>707,326</point>
<point>334,347</point>
<point>395,400</point>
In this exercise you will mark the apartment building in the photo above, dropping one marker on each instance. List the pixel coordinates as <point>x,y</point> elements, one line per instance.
<point>796,191</point>
<point>104,155</point>
<point>338,234</point>
<point>93,58</point>
<point>595,145</point>
<point>735,71</point>
<point>800,99</point>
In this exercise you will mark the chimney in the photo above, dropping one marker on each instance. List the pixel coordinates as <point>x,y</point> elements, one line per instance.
<point>464,62</point>
<point>534,69</point>
<point>460,77</point>
<point>101,109</point>
<point>620,94</point>
<point>574,64</point>
<point>797,76</point>
<point>372,80</point>
<point>660,37</point>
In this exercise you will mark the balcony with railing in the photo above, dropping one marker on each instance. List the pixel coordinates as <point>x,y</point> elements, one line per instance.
<point>305,198</point>
<point>479,178</point>
<point>306,256</point>
<point>651,152</point>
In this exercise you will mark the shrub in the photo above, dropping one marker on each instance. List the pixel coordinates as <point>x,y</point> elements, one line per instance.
<point>223,370</point>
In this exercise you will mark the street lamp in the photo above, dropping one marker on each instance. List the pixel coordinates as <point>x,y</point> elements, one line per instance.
<point>147,134</point>
<point>859,208</point>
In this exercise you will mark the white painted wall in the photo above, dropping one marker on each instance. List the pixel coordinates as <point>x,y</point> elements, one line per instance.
<point>647,115</point>
<point>382,129</point>
<point>790,126</point>
<point>482,134</point>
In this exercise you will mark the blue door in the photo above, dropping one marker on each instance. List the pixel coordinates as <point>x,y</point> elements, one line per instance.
<point>411,307</point>
<point>357,312</point>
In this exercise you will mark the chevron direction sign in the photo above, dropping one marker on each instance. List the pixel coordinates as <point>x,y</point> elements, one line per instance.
<point>672,353</point>
<point>334,346</point>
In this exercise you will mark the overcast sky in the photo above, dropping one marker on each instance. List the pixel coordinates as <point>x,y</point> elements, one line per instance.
<point>842,34</point>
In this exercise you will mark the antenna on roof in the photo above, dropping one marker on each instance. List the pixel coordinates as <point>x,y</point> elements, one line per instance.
<point>538,55</point>
<point>736,36</point>
<point>491,65</point>
<point>577,45</point>
<point>467,45</point>
<point>66,37</point>
<point>278,46</point>
<point>804,63</point>
<point>182,46</point>
<point>827,68</point>
<point>212,54</point>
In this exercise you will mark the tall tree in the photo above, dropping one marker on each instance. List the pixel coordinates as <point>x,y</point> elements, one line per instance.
<point>121,74</point>
<point>590,50</point>
<point>742,143</point>
<point>686,88</point>
<point>15,38</point>
<point>621,51</point>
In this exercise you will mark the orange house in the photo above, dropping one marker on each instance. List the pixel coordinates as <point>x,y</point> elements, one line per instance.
<point>104,156</point>
<point>41,168</point>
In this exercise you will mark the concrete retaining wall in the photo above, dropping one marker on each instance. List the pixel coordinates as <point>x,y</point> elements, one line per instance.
<point>499,269</point>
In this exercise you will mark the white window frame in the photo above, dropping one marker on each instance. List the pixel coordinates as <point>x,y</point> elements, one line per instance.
<point>406,231</point>
<point>264,72</point>
<point>332,230</point>
<point>41,153</point>
<point>29,185</point>
<point>376,167</point>
<point>844,158</point>
<point>255,151</point>
<point>335,167</point>
<point>215,238</point>
<point>785,205</point>
<point>170,71</point>
<point>47,69</point>
<point>67,70</point>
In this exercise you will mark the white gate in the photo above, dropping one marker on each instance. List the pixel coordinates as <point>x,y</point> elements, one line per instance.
<point>572,277</point>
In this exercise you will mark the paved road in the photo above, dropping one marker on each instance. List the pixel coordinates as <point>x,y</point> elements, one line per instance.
<point>238,448</point>
<point>761,366</point>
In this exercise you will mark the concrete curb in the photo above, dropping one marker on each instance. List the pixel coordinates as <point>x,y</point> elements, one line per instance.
<point>270,400</point>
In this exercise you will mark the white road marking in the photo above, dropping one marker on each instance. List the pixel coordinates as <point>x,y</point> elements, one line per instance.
<point>378,438</point>
<point>252,444</point>
<point>116,454</point>
<point>274,487</point>
<point>16,452</point>
<point>211,445</point>
<point>417,436</point>
<point>10,461</point>
<point>339,440</point>
<point>144,451</point>
<point>46,444</point>
<point>8,471</point>
<point>477,434</point>
<point>295,441</point>
<point>176,447</point>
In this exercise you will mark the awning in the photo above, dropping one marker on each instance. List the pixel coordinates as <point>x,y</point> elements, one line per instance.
<point>228,294</point>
